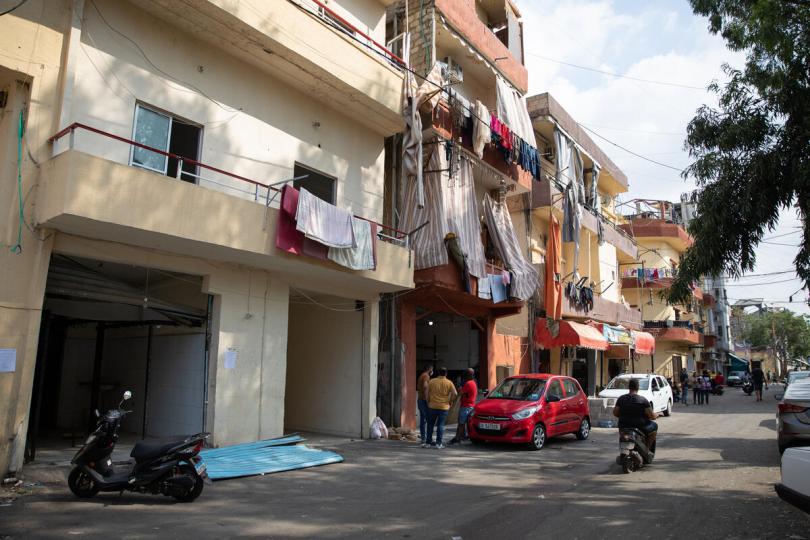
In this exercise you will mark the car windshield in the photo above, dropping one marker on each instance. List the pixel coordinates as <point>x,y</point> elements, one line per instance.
<point>796,375</point>
<point>519,389</point>
<point>623,383</point>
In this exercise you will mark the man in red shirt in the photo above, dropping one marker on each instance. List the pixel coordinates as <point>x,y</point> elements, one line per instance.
<point>469,392</point>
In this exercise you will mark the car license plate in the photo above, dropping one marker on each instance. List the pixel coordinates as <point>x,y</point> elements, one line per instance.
<point>488,425</point>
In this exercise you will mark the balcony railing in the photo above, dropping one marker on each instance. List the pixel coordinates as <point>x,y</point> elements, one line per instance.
<point>262,193</point>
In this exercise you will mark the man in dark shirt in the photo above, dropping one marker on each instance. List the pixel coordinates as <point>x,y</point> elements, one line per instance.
<point>634,411</point>
<point>758,376</point>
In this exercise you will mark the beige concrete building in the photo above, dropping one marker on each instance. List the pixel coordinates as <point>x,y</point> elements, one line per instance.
<point>128,268</point>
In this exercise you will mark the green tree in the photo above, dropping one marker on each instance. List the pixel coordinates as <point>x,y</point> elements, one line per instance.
<point>785,332</point>
<point>752,153</point>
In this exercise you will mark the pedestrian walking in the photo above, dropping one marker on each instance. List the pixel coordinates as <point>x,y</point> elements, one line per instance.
<point>694,382</point>
<point>441,395</point>
<point>421,401</point>
<point>684,378</point>
<point>706,386</point>
<point>468,394</point>
<point>758,376</point>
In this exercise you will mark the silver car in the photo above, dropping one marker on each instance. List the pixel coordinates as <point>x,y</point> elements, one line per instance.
<point>793,416</point>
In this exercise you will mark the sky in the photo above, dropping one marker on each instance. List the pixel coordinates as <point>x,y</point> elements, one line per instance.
<point>660,41</point>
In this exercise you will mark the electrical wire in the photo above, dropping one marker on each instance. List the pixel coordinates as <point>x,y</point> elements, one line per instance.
<point>617,75</point>
<point>762,283</point>
<point>6,12</point>
<point>645,158</point>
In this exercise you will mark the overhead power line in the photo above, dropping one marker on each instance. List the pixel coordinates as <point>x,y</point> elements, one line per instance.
<point>9,10</point>
<point>762,283</point>
<point>617,75</point>
<point>630,151</point>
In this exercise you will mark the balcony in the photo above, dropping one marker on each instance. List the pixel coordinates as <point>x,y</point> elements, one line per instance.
<point>441,284</point>
<point>544,191</point>
<point>683,332</point>
<point>461,17</point>
<point>518,180</point>
<point>659,229</point>
<point>709,341</point>
<point>304,44</point>
<point>89,196</point>
<point>604,311</point>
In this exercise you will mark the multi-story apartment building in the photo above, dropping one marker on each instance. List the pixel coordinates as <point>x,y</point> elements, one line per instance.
<point>659,229</point>
<point>582,324</point>
<point>469,80</point>
<point>144,242</point>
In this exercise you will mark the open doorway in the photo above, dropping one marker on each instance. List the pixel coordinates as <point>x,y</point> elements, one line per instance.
<point>107,328</point>
<point>447,340</point>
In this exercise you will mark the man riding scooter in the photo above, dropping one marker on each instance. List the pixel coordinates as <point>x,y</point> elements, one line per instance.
<point>635,412</point>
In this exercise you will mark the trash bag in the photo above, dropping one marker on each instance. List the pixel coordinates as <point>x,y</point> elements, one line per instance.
<point>378,429</point>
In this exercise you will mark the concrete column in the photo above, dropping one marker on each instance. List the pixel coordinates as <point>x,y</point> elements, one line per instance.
<point>371,332</point>
<point>406,322</point>
<point>248,357</point>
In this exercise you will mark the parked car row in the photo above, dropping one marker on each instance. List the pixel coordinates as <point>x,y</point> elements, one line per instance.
<point>530,409</point>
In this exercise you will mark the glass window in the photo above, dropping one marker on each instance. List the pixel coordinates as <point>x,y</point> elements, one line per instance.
<point>519,388</point>
<point>571,389</point>
<point>554,389</point>
<point>622,383</point>
<point>320,185</point>
<point>151,129</point>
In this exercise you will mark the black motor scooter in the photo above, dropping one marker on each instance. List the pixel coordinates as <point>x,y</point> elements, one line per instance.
<point>169,467</point>
<point>748,388</point>
<point>634,452</point>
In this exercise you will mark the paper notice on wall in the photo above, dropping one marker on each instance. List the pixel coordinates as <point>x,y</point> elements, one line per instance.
<point>8,360</point>
<point>231,354</point>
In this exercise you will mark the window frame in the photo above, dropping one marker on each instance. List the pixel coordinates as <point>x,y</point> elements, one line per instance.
<point>308,168</point>
<point>172,119</point>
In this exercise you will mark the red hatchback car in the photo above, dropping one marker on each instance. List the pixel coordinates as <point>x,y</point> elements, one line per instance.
<point>530,409</point>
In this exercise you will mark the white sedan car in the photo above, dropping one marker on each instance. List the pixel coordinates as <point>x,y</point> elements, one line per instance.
<point>653,387</point>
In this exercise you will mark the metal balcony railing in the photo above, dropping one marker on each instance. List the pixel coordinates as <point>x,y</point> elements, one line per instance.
<point>262,193</point>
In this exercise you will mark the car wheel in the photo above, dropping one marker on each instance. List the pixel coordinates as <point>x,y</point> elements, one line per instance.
<point>668,410</point>
<point>538,437</point>
<point>584,429</point>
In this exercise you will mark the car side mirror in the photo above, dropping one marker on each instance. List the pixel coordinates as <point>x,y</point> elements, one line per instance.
<point>552,399</point>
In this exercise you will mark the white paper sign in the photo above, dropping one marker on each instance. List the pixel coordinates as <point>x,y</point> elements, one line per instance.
<point>230,357</point>
<point>8,360</point>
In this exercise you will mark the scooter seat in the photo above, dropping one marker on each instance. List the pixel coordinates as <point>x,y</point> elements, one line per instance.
<point>144,450</point>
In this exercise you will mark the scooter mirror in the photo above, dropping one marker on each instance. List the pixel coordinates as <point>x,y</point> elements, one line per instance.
<point>98,414</point>
<point>127,395</point>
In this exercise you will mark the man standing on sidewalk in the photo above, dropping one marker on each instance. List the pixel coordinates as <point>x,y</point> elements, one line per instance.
<point>468,394</point>
<point>685,386</point>
<point>421,400</point>
<point>441,395</point>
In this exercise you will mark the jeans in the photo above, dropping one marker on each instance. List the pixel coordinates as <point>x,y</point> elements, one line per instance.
<point>697,396</point>
<point>423,418</point>
<point>685,395</point>
<point>436,418</point>
<point>706,396</point>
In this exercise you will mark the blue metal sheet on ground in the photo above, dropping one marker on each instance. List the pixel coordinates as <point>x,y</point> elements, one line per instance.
<point>219,453</point>
<point>252,459</point>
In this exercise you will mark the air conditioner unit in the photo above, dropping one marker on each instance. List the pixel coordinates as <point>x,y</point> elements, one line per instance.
<point>451,71</point>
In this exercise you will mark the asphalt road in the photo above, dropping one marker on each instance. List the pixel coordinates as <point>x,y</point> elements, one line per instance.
<point>713,478</point>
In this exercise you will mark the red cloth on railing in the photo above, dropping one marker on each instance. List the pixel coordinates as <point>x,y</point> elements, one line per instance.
<point>288,238</point>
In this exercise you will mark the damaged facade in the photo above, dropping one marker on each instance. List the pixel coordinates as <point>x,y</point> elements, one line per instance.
<point>147,256</point>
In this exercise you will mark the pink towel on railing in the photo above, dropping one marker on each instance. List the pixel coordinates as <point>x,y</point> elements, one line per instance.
<point>290,239</point>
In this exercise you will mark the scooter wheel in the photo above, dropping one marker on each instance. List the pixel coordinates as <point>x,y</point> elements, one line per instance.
<point>628,464</point>
<point>82,484</point>
<point>194,492</point>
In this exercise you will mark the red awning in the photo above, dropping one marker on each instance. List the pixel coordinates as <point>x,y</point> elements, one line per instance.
<point>645,342</point>
<point>571,334</point>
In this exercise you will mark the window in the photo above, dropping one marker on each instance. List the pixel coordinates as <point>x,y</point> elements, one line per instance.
<point>554,389</point>
<point>320,185</point>
<point>571,389</point>
<point>169,134</point>
<point>519,389</point>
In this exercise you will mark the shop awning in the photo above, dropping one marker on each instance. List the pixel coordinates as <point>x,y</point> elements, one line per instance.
<point>645,342</point>
<point>737,363</point>
<point>570,334</point>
